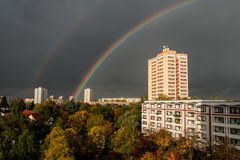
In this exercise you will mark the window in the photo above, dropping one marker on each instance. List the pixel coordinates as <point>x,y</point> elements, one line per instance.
<point>219,119</point>
<point>202,127</point>
<point>169,120</point>
<point>218,109</point>
<point>169,126</point>
<point>219,129</point>
<point>235,131</point>
<point>144,122</point>
<point>144,117</point>
<point>235,121</point>
<point>219,139</point>
<point>190,114</point>
<point>144,111</point>
<point>152,118</point>
<point>178,114</point>
<point>204,136</point>
<point>178,128</point>
<point>190,122</point>
<point>235,110</point>
<point>152,111</point>
<point>169,106</point>
<point>191,130</point>
<point>159,125</point>
<point>159,112</point>
<point>202,109</point>
<point>152,124</point>
<point>201,118</point>
<point>190,106</point>
<point>159,118</point>
<point>169,113</point>
<point>177,106</point>
<point>235,142</point>
<point>178,121</point>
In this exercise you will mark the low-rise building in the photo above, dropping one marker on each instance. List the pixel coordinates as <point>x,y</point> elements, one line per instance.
<point>123,100</point>
<point>57,100</point>
<point>210,120</point>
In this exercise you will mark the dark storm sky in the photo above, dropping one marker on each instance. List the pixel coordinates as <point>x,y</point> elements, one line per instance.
<point>208,30</point>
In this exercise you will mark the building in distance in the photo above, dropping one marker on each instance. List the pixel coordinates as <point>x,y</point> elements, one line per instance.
<point>28,100</point>
<point>40,95</point>
<point>168,75</point>
<point>57,100</point>
<point>88,95</point>
<point>124,100</point>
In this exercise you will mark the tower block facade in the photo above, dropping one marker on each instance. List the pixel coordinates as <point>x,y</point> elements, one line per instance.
<point>168,75</point>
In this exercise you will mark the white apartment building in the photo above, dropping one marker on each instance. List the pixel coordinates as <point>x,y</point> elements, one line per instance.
<point>125,100</point>
<point>168,75</point>
<point>87,95</point>
<point>40,95</point>
<point>211,120</point>
<point>57,100</point>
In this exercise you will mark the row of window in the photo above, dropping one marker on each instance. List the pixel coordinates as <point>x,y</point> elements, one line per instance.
<point>220,139</point>
<point>220,109</point>
<point>176,106</point>
<point>233,131</point>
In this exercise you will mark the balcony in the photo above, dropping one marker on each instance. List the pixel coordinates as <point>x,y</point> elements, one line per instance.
<point>235,121</point>
<point>219,129</point>
<point>235,131</point>
<point>219,119</point>
<point>235,110</point>
<point>218,110</point>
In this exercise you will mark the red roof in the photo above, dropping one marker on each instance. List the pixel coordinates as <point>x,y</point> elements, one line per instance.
<point>27,112</point>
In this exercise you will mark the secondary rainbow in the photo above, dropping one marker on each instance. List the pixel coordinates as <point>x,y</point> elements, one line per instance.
<point>66,36</point>
<point>118,42</point>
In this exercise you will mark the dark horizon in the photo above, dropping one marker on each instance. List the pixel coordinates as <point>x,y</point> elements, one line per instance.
<point>79,32</point>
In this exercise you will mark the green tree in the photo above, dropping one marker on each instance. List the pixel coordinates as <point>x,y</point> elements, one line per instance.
<point>95,120</point>
<point>124,139</point>
<point>4,105</point>
<point>98,136</point>
<point>26,146</point>
<point>17,106</point>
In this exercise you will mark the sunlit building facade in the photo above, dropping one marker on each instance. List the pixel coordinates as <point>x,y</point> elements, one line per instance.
<point>168,75</point>
<point>40,95</point>
<point>88,95</point>
<point>210,120</point>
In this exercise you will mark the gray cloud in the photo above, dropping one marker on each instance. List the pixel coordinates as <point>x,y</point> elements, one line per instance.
<point>207,30</point>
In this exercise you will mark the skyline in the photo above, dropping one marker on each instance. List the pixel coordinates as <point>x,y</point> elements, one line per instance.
<point>126,76</point>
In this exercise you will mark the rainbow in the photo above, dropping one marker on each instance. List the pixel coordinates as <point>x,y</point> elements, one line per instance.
<point>119,41</point>
<point>53,51</point>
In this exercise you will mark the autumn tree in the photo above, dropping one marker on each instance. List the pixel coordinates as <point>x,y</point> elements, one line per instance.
<point>184,148</point>
<point>226,151</point>
<point>57,146</point>
<point>163,139</point>
<point>163,97</point>
<point>78,121</point>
